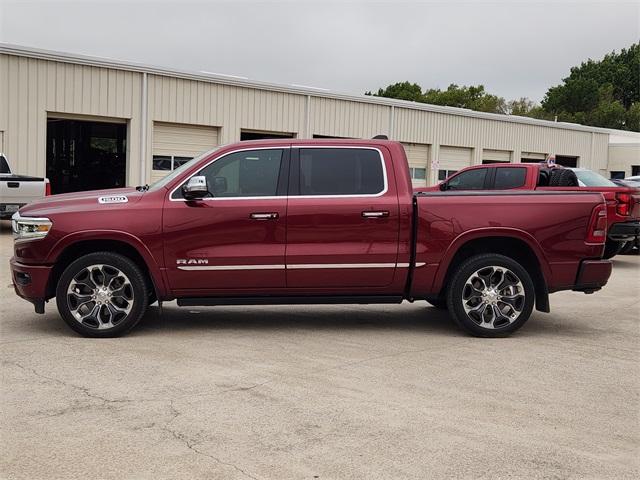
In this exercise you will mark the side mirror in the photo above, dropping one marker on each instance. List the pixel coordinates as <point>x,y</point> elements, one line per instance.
<point>195,188</point>
<point>219,185</point>
<point>443,186</point>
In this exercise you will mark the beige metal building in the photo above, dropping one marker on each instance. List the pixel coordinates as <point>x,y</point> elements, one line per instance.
<point>87,122</point>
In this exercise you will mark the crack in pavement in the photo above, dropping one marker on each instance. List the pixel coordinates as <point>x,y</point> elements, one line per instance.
<point>84,390</point>
<point>191,444</point>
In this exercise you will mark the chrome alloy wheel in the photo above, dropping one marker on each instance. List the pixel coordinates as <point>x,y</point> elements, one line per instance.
<point>100,296</point>
<point>493,297</point>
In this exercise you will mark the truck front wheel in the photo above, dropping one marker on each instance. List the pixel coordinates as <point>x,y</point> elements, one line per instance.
<point>102,294</point>
<point>491,295</point>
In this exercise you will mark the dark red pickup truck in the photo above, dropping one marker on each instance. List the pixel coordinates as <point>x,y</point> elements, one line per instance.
<point>623,203</point>
<point>305,222</point>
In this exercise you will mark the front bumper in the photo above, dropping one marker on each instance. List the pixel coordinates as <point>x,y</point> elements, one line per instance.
<point>592,275</point>
<point>30,282</point>
<point>624,231</point>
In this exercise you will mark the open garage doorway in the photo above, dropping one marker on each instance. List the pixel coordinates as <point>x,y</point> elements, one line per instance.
<point>85,155</point>
<point>258,135</point>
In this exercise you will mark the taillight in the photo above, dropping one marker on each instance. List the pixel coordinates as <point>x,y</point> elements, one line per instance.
<point>597,232</point>
<point>623,205</point>
<point>47,188</point>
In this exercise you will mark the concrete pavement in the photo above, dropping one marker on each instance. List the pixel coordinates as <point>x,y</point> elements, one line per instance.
<point>331,392</point>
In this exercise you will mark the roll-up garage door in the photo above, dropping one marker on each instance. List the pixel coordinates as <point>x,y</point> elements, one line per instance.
<point>174,144</point>
<point>418,158</point>
<point>495,156</point>
<point>532,157</point>
<point>452,159</point>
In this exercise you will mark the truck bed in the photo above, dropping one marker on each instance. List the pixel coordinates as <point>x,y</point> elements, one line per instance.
<point>552,225</point>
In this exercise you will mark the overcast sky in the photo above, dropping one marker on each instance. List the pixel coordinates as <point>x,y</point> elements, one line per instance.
<point>515,48</point>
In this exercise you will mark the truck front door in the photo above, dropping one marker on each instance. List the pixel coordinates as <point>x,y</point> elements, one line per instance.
<point>342,219</point>
<point>234,239</point>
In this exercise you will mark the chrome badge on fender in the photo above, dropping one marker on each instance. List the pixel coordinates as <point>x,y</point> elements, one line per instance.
<point>113,199</point>
<point>192,261</point>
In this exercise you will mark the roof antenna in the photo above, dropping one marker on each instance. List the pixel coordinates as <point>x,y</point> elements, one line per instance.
<point>380,137</point>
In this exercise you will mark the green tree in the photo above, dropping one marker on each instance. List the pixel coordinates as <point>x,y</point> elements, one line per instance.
<point>600,93</point>
<point>402,91</point>
<point>471,97</point>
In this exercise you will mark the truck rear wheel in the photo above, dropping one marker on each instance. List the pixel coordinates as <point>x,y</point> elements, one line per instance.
<point>102,294</point>
<point>491,295</point>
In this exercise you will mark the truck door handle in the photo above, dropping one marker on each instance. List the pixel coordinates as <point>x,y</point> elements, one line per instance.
<point>13,184</point>
<point>380,214</point>
<point>264,216</point>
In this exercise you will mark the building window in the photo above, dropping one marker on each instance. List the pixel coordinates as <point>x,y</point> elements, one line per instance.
<point>442,174</point>
<point>418,173</point>
<point>168,162</point>
<point>617,175</point>
<point>635,170</point>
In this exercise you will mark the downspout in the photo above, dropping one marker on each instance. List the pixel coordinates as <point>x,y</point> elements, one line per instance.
<point>392,119</point>
<point>307,125</point>
<point>144,106</point>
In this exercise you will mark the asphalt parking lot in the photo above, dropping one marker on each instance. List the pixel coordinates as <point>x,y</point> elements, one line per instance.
<point>324,392</point>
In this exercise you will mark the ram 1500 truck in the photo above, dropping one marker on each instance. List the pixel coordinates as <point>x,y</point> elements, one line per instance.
<point>623,202</point>
<point>305,221</point>
<point>18,190</point>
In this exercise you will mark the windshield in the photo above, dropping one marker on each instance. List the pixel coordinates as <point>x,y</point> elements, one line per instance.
<point>165,180</point>
<point>4,166</point>
<point>587,178</point>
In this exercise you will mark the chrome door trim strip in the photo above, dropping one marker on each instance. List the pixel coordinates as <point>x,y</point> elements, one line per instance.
<point>305,266</point>
<point>231,267</point>
<point>299,266</point>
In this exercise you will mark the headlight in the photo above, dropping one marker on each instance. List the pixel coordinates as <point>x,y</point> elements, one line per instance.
<point>27,228</point>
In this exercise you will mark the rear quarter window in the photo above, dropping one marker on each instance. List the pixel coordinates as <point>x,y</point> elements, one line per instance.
<point>508,177</point>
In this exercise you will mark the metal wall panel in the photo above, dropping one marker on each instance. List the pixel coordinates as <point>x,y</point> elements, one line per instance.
<point>33,89</point>
<point>343,118</point>
<point>446,129</point>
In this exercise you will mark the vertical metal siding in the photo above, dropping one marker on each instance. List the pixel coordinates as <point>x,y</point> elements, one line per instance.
<point>31,88</point>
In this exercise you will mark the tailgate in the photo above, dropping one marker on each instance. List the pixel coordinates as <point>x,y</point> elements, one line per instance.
<point>19,190</point>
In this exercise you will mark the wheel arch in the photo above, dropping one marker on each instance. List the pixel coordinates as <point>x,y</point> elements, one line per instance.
<point>70,249</point>
<point>514,244</point>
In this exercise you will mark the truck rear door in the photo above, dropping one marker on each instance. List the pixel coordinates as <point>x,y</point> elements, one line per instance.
<point>342,219</point>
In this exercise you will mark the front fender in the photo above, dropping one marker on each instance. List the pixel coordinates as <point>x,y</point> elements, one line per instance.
<point>132,241</point>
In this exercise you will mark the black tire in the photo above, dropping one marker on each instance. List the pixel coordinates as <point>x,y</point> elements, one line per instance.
<point>440,303</point>
<point>611,249</point>
<point>523,299</point>
<point>89,299</point>
<point>563,177</point>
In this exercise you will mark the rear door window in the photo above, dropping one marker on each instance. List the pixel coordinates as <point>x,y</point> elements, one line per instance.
<point>341,171</point>
<point>510,177</point>
<point>468,180</point>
